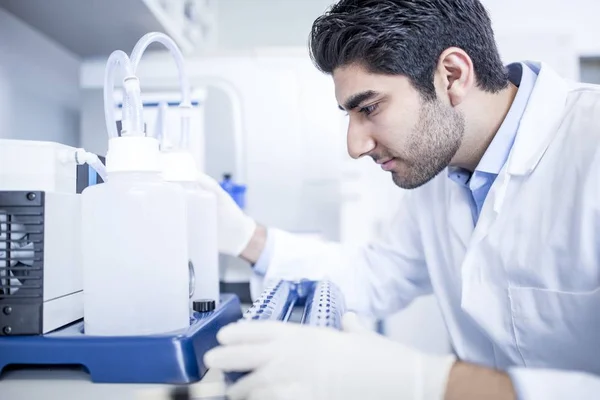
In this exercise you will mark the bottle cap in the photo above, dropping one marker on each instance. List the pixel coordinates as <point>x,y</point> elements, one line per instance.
<point>204,305</point>
<point>132,154</point>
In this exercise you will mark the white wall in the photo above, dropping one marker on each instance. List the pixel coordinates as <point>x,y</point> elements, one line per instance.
<point>553,30</point>
<point>258,23</point>
<point>39,85</point>
<point>244,24</point>
<point>579,17</point>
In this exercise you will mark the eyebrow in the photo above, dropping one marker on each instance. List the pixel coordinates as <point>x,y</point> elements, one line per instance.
<point>355,100</point>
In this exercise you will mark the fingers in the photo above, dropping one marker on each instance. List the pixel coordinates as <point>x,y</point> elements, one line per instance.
<point>238,358</point>
<point>254,332</point>
<point>246,345</point>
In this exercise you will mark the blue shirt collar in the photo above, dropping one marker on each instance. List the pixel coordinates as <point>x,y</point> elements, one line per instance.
<point>497,153</point>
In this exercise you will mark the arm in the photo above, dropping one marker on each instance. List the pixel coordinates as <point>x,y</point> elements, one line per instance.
<point>256,245</point>
<point>377,279</point>
<point>471,382</point>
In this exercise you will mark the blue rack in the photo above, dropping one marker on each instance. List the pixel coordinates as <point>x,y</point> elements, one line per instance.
<point>320,303</point>
<point>175,358</point>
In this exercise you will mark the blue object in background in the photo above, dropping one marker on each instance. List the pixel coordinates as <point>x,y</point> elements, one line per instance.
<point>237,192</point>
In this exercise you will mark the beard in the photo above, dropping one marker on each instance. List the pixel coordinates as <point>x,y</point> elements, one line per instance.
<point>434,141</point>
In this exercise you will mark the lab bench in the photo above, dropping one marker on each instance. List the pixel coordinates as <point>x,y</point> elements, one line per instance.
<point>66,384</point>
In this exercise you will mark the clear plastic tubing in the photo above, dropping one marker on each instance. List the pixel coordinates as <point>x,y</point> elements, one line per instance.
<point>136,56</point>
<point>133,121</point>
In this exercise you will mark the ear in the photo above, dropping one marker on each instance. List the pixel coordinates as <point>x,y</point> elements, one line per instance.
<point>455,75</point>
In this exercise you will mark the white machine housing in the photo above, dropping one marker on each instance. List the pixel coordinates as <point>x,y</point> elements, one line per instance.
<point>51,284</point>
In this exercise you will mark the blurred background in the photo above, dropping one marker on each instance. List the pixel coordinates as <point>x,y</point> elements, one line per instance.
<point>264,114</point>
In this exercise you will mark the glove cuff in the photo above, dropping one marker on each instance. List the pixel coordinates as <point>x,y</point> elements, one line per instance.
<point>435,372</point>
<point>244,231</point>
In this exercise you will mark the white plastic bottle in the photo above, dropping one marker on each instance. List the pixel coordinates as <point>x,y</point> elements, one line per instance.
<point>134,242</point>
<point>179,166</point>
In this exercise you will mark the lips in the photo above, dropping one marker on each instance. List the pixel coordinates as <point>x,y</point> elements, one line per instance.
<point>388,165</point>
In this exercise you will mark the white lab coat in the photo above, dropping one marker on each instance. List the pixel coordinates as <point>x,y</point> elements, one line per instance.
<point>519,289</point>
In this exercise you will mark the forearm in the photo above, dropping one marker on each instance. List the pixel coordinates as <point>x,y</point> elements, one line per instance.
<point>471,382</point>
<point>256,245</point>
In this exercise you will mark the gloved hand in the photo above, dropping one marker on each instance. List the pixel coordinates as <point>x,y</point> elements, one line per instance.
<point>296,362</point>
<point>234,226</point>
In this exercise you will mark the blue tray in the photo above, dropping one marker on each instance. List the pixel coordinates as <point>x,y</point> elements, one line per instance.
<point>168,359</point>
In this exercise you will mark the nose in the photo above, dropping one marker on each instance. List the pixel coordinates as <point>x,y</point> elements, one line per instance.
<point>359,141</point>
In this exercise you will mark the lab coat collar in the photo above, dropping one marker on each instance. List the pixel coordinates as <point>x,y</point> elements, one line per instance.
<point>540,120</point>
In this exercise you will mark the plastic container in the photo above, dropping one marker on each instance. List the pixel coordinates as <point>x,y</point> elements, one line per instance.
<point>134,243</point>
<point>178,166</point>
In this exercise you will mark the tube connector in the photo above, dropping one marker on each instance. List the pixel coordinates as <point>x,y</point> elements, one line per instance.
<point>85,157</point>
<point>133,121</point>
<point>131,83</point>
<point>117,59</point>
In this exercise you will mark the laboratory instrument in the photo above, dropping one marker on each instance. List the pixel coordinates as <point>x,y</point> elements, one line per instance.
<point>41,278</point>
<point>131,247</point>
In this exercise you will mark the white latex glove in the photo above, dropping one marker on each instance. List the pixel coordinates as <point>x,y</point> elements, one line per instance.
<point>235,227</point>
<point>298,362</point>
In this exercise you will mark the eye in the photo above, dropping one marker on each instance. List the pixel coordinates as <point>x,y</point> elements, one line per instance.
<point>368,110</point>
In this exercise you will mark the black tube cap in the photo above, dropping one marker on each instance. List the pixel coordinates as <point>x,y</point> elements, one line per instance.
<point>204,305</point>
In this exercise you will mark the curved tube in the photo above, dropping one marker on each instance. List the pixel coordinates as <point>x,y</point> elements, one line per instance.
<point>132,104</point>
<point>184,84</point>
<point>166,41</point>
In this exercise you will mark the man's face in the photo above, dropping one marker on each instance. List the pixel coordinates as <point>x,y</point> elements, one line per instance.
<point>413,138</point>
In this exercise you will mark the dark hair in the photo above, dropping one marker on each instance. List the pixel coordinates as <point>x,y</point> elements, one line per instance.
<point>407,37</point>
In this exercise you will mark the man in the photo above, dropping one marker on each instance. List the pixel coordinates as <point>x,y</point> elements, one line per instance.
<point>501,224</point>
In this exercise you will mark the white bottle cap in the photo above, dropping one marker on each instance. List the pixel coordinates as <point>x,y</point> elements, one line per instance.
<point>133,154</point>
<point>178,166</point>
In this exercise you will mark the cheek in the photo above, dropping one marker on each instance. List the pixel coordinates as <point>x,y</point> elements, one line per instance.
<point>393,131</point>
